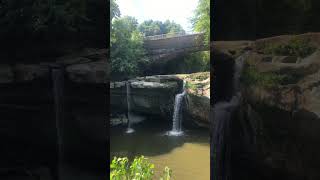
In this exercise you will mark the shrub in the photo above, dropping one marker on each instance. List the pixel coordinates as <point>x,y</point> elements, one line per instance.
<point>139,169</point>
<point>190,85</point>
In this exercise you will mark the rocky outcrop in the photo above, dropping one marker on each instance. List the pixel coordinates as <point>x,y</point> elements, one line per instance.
<point>151,95</point>
<point>92,72</point>
<point>87,66</point>
<point>154,96</point>
<point>279,116</point>
<point>198,98</point>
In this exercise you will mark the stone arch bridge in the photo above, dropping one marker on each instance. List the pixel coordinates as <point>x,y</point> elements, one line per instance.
<point>168,46</point>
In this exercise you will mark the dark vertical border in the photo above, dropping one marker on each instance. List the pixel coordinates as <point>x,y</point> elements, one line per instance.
<point>107,124</point>
<point>212,7</point>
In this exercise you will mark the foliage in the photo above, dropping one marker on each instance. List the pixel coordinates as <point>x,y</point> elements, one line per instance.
<point>43,15</point>
<point>139,169</point>
<point>251,76</point>
<point>197,80</point>
<point>198,62</point>
<point>295,47</point>
<point>201,19</point>
<point>34,28</point>
<point>190,85</point>
<point>151,28</point>
<point>127,52</point>
<point>199,76</point>
<point>189,63</point>
<point>114,10</point>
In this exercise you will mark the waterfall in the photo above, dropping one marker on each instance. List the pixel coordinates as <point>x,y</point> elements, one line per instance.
<point>129,129</point>
<point>177,114</point>
<point>222,119</point>
<point>58,81</point>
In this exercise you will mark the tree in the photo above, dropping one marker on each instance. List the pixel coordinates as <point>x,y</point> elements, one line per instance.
<point>201,23</point>
<point>127,52</point>
<point>40,28</point>
<point>114,10</point>
<point>201,19</point>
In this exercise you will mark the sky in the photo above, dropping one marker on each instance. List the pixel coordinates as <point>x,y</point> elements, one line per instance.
<point>179,11</point>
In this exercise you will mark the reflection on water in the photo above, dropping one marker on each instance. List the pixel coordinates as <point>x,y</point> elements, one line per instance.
<point>188,156</point>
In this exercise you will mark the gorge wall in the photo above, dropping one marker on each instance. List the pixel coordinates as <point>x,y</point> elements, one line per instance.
<point>274,133</point>
<point>28,129</point>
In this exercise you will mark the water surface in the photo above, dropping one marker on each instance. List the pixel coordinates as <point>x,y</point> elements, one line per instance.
<point>188,156</point>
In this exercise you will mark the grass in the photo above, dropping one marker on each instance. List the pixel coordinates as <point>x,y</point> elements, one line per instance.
<point>199,76</point>
<point>190,85</point>
<point>251,77</point>
<point>295,47</point>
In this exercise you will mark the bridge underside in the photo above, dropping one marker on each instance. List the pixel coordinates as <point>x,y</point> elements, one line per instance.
<point>172,47</point>
<point>168,54</point>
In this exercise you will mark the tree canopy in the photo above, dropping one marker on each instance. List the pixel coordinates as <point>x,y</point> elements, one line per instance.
<point>201,18</point>
<point>114,10</point>
<point>151,28</point>
<point>127,52</point>
<point>27,23</point>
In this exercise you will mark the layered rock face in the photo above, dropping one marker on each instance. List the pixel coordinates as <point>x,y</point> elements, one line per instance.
<point>154,96</point>
<point>28,112</point>
<point>198,98</point>
<point>278,122</point>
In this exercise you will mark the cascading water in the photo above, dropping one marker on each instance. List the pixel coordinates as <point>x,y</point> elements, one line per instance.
<point>177,114</point>
<point>222,116</point>
<point>129,129</point>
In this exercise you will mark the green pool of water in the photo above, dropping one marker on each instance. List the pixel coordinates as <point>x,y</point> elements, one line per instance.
<point>188,156</point>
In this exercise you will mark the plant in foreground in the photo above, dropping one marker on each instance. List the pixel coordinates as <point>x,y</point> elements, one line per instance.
<point>139,169</point>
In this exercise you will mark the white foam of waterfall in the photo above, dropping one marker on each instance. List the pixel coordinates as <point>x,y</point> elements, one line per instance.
<point>177,114</point>
<point>222,113</point>
<point>129,129</point>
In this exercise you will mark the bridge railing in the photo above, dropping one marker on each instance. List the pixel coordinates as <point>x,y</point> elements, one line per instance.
<point>169,35</point>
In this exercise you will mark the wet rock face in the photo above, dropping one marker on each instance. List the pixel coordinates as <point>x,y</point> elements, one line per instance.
<point>282,100</point>
<point>152,95</point>
<point>197,105</point>
<point>155,95</point>
<point>28,114</point>
<point>198,110</point>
